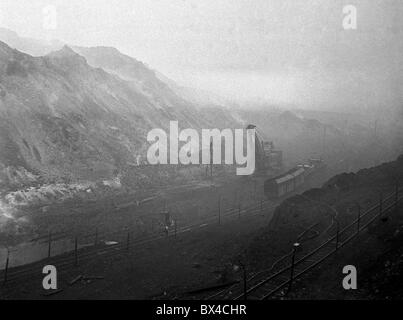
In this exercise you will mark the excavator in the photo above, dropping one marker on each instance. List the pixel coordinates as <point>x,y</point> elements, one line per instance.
<point>269,161</point>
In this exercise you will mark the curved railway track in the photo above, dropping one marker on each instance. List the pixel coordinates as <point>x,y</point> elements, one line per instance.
<point>263,285</point>
<point>273,281</point>
<point>236,290</point>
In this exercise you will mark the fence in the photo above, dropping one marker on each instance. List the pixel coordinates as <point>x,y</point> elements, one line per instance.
<point>67,252</point>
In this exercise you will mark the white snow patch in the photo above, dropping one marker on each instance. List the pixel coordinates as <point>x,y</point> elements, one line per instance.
<point>45,193</point>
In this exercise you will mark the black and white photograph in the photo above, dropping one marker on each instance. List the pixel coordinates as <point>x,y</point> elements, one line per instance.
<point>213,152</point>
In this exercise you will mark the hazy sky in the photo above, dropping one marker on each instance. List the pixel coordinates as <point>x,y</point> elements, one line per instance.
<point>283,51</point>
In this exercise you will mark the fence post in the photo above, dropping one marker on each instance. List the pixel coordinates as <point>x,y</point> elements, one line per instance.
<point>245,291</point>
<point>6,268</point>
<point>49,243</point>
<point>219,210</point>
<point>380,205</point>
<point>239,210</point>
<point>128,240</point>
<point>337,233</point>
<point>176,227</point>
<point>254,189</point>
<point>396,195</point>
<point>76,251</point>
<point>358,219</point>
<point>96,237</point>
<point>294,251</point>
<point>166,229</point>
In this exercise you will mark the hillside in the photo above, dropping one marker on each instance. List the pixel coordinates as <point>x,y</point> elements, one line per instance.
<point>58,103</point>
<point>342,193</point>
<point>113,61</point>
<point>348,144</point>
<point>75,121</point>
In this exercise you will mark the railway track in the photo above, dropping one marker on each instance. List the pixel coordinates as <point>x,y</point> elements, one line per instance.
<point>93,204</point>
<point>278,279</point>
<point>263,285</point>
<point>66,263</point>
<point>237,290</point>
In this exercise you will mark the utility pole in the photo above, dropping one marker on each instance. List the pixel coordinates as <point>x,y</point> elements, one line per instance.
<point>76,251</point>
<point>96,236</point>
<point>49,243</point>
<point>396,195</point>
<point>359,218</point>
<point>245,291</point>
<point>176,226</point>
<point>6,267</point>
<point>254,188</point>
<point>294,251</point>
<point>211,159</point>
<point>219,210</point>
<point>324,141</point>
<point>337,232</point>
<point>380,204</point>
<point>128,240</point>
<point>375,127</point>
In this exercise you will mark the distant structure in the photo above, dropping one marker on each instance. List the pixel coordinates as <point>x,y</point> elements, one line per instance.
<point>268,159</point>
<point>293,179</point>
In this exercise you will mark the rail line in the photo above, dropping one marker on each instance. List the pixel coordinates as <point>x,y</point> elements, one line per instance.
<point>66,262</point>
<point>256,276</point>
<point>262,285</point>
<point>268,286</point>
<point>236,289</point>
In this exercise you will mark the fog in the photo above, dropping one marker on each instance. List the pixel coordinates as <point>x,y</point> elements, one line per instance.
<point>279,52</point>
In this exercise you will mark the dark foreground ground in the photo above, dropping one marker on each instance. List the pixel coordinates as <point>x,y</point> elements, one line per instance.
<point>378,258</point>
<point>377,253</point>
<point>209,254</point>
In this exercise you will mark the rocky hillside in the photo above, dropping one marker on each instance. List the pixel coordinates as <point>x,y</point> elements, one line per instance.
<point>77,116</point>
<point>151,82</point>
<point>300,134</point>
<point>59,116</point>
<point>342,193</point>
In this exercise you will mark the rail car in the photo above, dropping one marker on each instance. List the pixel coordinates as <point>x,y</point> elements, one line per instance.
<point>290,181</point>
